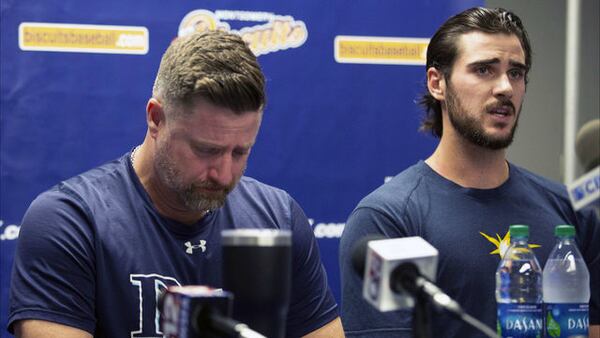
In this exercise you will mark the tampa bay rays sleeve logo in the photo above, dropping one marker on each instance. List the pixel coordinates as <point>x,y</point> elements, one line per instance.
<point>502,243</point>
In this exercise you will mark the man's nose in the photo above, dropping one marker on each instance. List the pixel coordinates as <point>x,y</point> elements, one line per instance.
<point>220,170</point>
<point>503,86</point>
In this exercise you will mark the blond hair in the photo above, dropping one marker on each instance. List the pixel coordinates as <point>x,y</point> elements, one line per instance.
<point>215,66</point>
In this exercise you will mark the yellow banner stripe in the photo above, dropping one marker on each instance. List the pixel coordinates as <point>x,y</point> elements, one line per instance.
<point>361,49</point>
<point>35,36</point>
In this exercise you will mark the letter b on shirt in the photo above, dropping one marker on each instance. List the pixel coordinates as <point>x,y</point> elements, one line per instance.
<point>149,287</point>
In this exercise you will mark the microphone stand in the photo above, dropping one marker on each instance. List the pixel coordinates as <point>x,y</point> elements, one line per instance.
<point>407,277</point>
<point>230,328</point>
<point>421,317</point>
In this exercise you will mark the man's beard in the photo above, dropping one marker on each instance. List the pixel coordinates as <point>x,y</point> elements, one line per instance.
<point>189,193</point>
<point>472,129</point>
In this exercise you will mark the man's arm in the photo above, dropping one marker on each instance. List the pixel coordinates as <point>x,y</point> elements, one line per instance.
<point>41,328</point>
<point>360,318</point>
<point>313,311</point>
<point>54,268</point>
<point>594,331</point>
<point>332,329</point>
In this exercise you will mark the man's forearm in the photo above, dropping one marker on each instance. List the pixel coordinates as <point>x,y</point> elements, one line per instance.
<point>43,329</point>
<point>594,331</point>
<point>332,329</point>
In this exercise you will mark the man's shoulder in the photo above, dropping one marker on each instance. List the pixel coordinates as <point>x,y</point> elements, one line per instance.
<point>398,189</point>
<point>530,180</point>
<point>249,183</point>
<point>101,174</point>
<point>97,182</point>
<point>250,189</point>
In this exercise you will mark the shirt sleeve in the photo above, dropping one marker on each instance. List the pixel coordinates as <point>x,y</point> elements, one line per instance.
<point>54,268</point>
<point>312,304</point>
<point>359,318</point>
<point>589,244</point>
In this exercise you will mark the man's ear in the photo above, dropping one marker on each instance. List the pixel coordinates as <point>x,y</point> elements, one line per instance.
<point>436,83</point>
<point>155,116</point>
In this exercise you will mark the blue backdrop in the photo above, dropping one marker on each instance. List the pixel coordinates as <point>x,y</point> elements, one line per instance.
<point>341,113</point>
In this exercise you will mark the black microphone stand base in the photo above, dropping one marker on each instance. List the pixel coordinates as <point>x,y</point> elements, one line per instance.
<point>421,321</point>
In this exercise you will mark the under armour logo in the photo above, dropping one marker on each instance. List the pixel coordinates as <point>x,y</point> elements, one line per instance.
<point>191,247</point>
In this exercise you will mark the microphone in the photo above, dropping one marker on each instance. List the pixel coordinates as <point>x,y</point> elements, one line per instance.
<point>257,267</point>
<point>585,191</point>
<point>398,271</point>
<point>199,312</point>
<point>391,269</point>
<point>406,276</point>
<point>587,144</point>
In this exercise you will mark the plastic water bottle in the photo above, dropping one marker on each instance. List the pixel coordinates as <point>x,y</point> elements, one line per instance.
<point>519,288</point>
<point>566,286</point>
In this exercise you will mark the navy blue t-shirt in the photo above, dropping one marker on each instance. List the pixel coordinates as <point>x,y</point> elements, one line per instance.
<point>469,227</point>
<point>94,253</point>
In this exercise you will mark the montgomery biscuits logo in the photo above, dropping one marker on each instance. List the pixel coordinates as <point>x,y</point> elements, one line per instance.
<point>53,37</point>
<point>272,33</point>
<point>380,50</point>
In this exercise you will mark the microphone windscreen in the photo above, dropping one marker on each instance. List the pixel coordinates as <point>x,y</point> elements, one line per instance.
<point>380,259</point>
<point>187,311</point>
<point>359,253</point>
<point>587,144</point>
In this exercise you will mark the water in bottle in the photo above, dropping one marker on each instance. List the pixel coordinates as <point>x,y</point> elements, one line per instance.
<point>519,289</point>
<point>566,285</point>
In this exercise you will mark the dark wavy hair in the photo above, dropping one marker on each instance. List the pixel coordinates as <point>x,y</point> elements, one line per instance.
<point>443,49</point>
